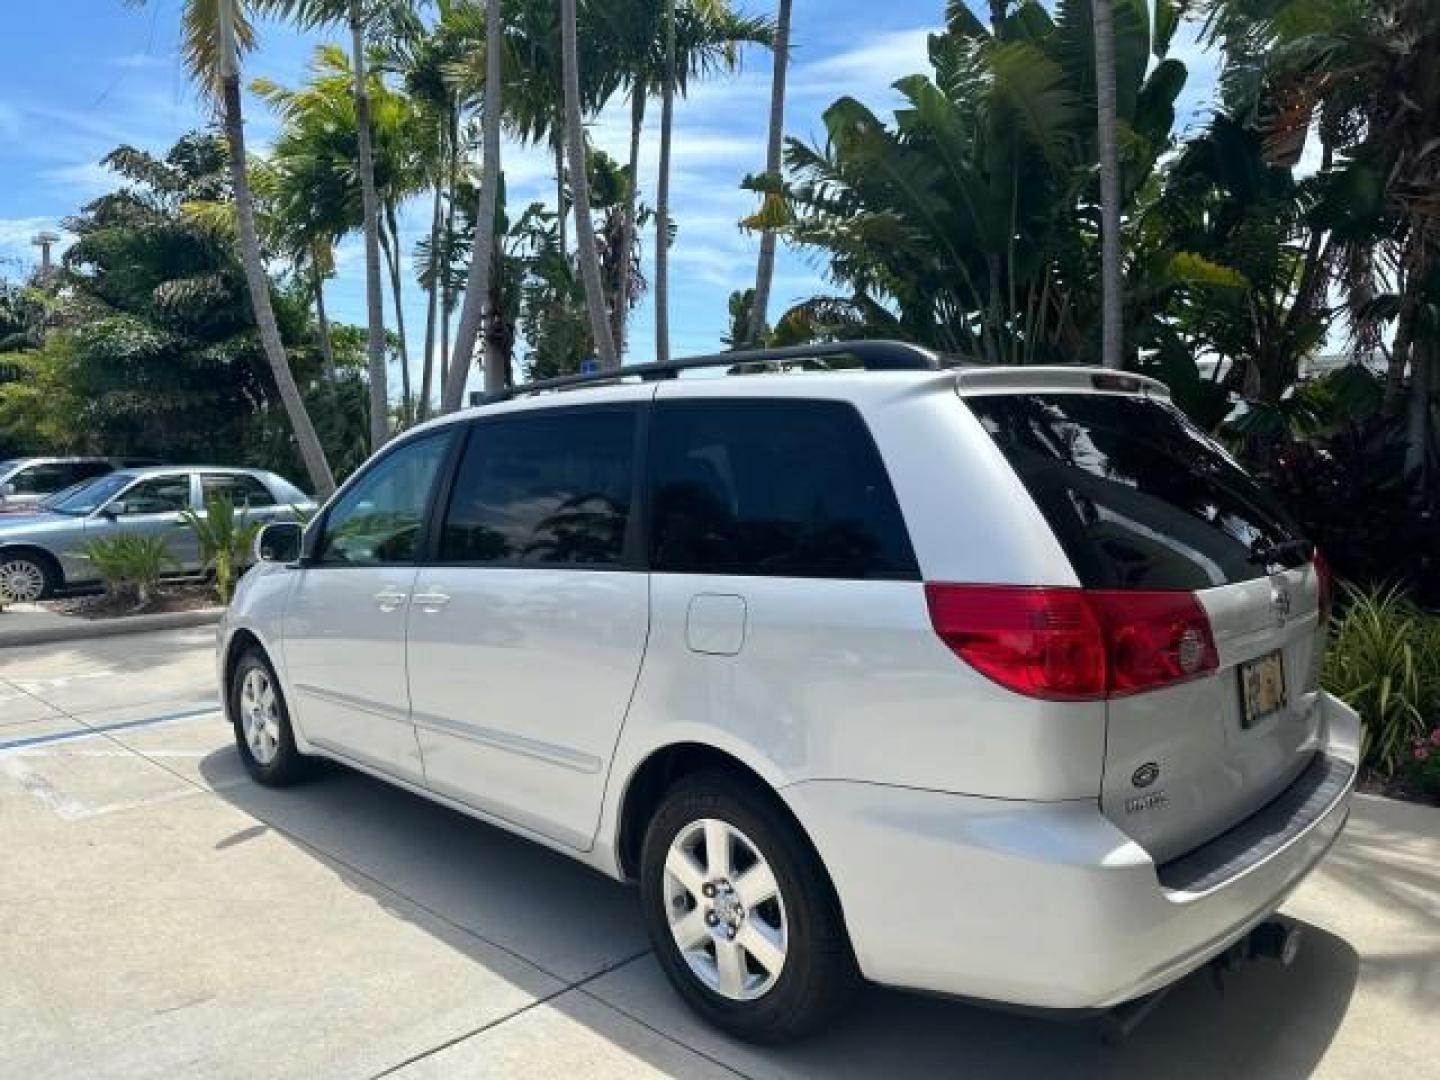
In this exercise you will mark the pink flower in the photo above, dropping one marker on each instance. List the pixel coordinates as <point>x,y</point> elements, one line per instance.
<point>1422,752</point>
<point>1435,737</point>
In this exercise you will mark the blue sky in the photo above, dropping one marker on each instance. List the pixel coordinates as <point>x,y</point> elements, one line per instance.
<point>82,76</point>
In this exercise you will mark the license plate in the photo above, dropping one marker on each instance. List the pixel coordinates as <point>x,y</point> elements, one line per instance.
<point>1262,688</point>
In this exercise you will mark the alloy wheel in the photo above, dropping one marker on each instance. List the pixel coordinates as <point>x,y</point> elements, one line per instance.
<point>260,715</point>
<point>725,910</point>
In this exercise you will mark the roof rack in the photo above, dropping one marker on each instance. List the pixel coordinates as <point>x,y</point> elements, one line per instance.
<point>873,356</point>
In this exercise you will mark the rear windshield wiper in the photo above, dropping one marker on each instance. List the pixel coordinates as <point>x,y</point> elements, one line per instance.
<point>1283,549</point>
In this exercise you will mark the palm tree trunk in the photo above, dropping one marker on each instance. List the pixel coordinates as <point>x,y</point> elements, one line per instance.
<point>580,191</point>
<point>432,305</point>
<point>327,346</point>
<point>370,203</point>
<point>311,452</point>
<point>662,194</point>
<point>765,266</point>
<point>447,295</point>
<point>1112,317</point>
<point>392,260</point>
<point>621,315</point>
<point>477,285</point>
<point>562,218</point>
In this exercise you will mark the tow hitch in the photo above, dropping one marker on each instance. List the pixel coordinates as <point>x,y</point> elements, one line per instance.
<point>1274,939</point>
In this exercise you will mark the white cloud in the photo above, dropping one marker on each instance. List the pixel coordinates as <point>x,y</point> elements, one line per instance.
<point>86,179</point>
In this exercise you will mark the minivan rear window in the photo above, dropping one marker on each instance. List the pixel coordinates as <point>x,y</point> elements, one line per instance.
<point>1138,497</point>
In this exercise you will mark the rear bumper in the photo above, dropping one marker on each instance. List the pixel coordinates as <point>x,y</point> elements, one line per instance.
<point>1049,904</point>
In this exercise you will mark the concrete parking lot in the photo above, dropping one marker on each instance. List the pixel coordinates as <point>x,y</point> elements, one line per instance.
<point>162,916</point>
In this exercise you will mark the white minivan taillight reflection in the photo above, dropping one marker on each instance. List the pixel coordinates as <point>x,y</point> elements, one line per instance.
<point>1066,644</point>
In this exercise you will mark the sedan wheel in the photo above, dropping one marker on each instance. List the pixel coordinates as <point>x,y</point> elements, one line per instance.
<point>22,581</point>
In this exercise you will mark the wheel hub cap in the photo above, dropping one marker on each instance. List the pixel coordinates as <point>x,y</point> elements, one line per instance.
<point>21,582</point>
<point>725,910</point>
<point>260,716</point>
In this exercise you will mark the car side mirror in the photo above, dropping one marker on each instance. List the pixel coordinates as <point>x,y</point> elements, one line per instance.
<point>115,509</point>
<point>278,542</point>
<point>6,490</point>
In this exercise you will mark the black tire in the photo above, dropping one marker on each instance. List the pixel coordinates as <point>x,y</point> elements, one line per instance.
<point>44,566</point>
<point>287,765</point>
<point>818,977</point>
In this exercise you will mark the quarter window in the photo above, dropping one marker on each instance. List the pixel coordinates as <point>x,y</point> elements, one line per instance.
<point>378,521</point>
<point>550,488</point>
<point>775,488</point>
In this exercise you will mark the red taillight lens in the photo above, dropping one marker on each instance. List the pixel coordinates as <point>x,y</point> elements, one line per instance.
<point>1154,638</point>
<point>1326,582</point>
<point>1074,644</point>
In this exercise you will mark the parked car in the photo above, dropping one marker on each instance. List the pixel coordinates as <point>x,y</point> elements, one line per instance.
<point>24,482</point>
<point>41,551</point>
<point>983,681</point>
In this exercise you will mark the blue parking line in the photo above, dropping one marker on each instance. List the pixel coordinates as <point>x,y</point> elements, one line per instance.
<point>101,729</point>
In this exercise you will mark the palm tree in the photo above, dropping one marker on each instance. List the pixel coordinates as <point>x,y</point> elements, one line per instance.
<point>1112,317</point>
<point>708,37</point>
<point>312,13</point>
<point>662,194</point>
<point>477,287</point>
<point>579,186</point>
<point>765,265</point>
<point>215,32</point>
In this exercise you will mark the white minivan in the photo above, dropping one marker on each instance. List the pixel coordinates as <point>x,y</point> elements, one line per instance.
<point>983,681</point>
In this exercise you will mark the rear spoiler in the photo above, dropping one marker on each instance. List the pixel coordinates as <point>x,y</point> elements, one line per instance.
<point>1031,380</point>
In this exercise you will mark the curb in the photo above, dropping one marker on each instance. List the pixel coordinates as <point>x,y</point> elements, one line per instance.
<point>100,628</point>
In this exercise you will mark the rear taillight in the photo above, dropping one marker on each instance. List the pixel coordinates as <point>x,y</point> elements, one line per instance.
<point>1326,582</point>
<point>1074,644</point>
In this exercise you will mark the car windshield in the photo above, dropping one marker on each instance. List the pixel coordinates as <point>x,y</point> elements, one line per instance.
<point>86,498</point>
<point>7,466</point>
<point>52,501</point>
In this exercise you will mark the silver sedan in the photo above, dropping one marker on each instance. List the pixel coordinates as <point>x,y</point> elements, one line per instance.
<point>41,552</point>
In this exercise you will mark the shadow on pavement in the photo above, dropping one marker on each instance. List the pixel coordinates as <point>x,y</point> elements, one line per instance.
<point>581,927</point>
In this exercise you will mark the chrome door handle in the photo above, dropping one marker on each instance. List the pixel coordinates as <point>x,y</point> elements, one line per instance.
<point>390,599</point>
<point>431,601</point>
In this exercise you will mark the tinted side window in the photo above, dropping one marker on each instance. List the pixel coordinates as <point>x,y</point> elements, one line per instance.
<point>545,489</point>
<point>1136,495</point>
<point>377,522</point>
<point>240,489</point>
<point>777,488</point>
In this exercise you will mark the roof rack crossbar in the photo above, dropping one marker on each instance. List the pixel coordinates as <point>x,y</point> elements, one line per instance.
<point>873,356</point>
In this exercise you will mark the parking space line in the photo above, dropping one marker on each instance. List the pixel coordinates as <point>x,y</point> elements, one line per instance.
<point>90,730</point>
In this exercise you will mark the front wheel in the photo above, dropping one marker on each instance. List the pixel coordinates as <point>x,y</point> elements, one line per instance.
<point>24,579</point>
<point>741,913</point>
<point>262,724</point>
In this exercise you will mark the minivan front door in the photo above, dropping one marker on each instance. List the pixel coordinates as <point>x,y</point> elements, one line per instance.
<point>344,631</point>
<point>526,634</point>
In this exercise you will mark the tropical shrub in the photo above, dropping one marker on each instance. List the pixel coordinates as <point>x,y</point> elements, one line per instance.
<point>225,541</point>
<point>129,565</point>
<point>1384,662</point>
<point>1350,494</point>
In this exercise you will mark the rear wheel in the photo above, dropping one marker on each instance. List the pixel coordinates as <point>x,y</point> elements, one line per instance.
<point>741,912</point>
<point>262,724</point>
<point>24,578</point>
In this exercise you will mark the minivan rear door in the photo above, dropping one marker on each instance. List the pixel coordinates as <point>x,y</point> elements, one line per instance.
<point>1140,499</point>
